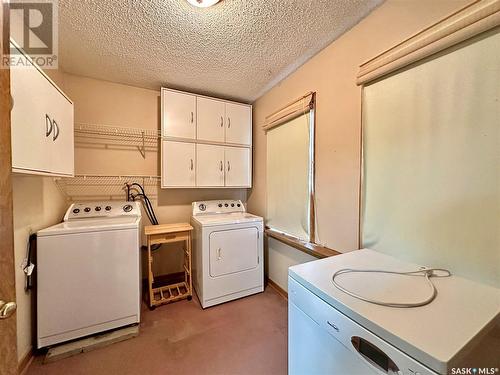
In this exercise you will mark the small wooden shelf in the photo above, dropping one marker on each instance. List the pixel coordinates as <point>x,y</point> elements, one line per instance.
<point>168,233</point>
<point>170,293</point>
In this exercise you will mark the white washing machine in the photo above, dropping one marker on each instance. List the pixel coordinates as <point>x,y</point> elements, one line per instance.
<point>331,332</point>
<point>228,251</point>
<point>88,272</point>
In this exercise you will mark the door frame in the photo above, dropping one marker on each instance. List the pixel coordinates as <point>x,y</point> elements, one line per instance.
<point>8,338</point>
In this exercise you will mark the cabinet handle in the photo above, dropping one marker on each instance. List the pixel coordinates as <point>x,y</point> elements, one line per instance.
<point>192,117</point>
<point>221,121</point>
<point>229,122</point>
<point>221,166</point>
<point>228,166</point>
<point>191,164</point>
<point>219,255</point>
<point>48,122</point>
<point>56,130</point>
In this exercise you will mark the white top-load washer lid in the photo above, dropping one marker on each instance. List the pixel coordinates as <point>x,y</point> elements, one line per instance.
<point>221,212</point>
<point>96,217</point>
<point>91,225</point>
<point>436,334</point>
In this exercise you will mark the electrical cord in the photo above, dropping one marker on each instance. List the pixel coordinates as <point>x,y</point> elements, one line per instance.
<point>427,273</point>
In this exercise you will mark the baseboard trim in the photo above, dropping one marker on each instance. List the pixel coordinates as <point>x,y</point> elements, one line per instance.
<point>277,288</point>
<point>25,362</point>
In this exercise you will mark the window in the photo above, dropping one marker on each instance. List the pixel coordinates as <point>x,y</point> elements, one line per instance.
<point>290,169</point>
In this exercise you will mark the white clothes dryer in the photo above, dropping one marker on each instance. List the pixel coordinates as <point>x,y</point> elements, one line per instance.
<point>228,251</point>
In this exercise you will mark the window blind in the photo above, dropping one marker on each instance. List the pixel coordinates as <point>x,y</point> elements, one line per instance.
<point>288,176</point>
<point>431,153</point>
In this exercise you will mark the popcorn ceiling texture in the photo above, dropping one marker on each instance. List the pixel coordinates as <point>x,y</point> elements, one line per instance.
<point>237,49</point>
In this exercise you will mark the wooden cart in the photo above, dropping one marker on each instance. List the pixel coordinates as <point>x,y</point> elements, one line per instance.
<point>169,233</point>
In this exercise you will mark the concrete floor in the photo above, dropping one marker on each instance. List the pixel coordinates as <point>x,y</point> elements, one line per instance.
<point>246,336</point>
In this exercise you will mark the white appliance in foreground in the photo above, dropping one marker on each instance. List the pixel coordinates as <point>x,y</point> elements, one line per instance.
<point>88,273</point>
<point>228,251</point>
<point>331,332</point>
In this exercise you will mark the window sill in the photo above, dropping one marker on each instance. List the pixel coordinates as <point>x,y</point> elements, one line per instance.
<point>310,248</point>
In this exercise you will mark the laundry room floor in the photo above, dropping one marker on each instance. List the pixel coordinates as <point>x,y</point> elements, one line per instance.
<point>246,336</point>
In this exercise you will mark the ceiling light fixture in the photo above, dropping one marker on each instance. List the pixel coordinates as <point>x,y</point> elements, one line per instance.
<point>203,3</point>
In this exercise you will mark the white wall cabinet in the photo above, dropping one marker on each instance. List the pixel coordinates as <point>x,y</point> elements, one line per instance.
<point>238,124</point>
<point>178,164</point>
<point>41,124</point>
<point>210,119</point>
<point>238,167</point>
<point>178,114</point>
<point>209,165</point>
<point>214,134</point>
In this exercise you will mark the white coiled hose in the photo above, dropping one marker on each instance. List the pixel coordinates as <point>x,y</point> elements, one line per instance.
<point>427,273</point>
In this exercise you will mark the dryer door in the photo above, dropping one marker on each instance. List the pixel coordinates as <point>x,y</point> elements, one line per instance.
<point>233,251</point>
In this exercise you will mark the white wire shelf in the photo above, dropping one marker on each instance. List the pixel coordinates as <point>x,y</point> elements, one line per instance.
<point>138,138</point>
<point>87,187</point>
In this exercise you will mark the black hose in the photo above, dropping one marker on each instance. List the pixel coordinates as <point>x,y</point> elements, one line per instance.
<point>148,206</point>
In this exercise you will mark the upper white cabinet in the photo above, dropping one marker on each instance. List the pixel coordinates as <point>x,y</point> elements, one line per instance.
<point>210,119</point>
<point>209,166</point>
<point>238,167</point>
<point>178,114</point>
<point>206,142</point>
<point>238,124</point>
<point>41,124</point>
<point>178,164</point>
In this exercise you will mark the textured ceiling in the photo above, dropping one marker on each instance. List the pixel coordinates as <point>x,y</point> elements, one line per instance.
<point>236,49</point>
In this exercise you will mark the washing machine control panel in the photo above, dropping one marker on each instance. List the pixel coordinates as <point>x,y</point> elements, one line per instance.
<point>87,210</point>
<point>217,207</point>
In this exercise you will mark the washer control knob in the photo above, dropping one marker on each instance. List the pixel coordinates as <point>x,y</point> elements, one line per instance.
<point>202,207</point>
<point>87,209</point>
<point>220,204</point>
<point>232,204</point>
<point>108,208</point>
<point>76,210</point>
<point>226,205</point>
<point>127,208</point>
<point>239,205</point>
<point>98,208</point>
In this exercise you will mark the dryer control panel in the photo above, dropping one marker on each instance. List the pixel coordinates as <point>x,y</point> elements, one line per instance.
<point>88,210</point>
<point>218,207</point>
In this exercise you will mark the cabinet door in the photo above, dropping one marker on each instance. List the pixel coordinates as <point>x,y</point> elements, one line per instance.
<point>178,164</point>
<point>178,115</point>
<point>62,150</point>
<point>209,165</point>
<point>238,167</point>
<point>238,124</point>
<point>31,129</point>
<point>210,119</point>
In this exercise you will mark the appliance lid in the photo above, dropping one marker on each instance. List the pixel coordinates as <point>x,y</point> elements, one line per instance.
<point>230,218</point>
<point>91,225</point>
<point>434,334</point>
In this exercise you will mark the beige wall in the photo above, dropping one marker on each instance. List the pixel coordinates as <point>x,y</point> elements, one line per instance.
<point>331,73</point>
<point>106,103</point>
<point>37,204</point>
